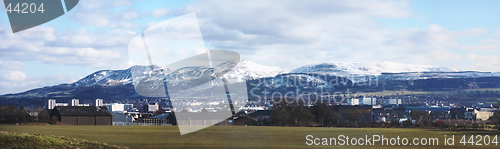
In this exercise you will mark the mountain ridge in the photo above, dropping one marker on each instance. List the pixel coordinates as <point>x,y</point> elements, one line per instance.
<point>121,81</point>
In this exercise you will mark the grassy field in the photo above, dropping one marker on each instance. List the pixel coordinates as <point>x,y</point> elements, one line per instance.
<point>235,136</point>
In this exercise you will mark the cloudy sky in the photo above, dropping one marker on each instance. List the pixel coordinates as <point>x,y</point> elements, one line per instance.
<point>94,35</point>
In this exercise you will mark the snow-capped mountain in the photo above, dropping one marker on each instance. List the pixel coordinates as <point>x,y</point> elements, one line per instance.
<point>246,70</point>
<point>122,84</point>
<point>368,68</point>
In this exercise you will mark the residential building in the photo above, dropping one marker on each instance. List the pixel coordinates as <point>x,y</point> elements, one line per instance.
<point>51,103</point>
<point>150,107</point>
<point>118,107</point>
<point>61,104</point>
<point>362,101</point>
<point>74,102</point>
<point>353,101</point>
<point>98,102</point>
<point>393,102</point>
<point>367,101</point>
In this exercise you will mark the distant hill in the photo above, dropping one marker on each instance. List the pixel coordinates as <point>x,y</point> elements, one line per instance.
<point>118,85</point>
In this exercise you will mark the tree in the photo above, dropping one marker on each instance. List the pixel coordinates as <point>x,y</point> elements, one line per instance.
<point>302,117</point>
<point>54,120</point>
<point>44,116</point>
<point>354,116</point>
<point>280,114</point>
<point>12,114</point>
<point>496,117</point>
<point>421,117</point>
<point>325,115</point>
<point>290,113</point>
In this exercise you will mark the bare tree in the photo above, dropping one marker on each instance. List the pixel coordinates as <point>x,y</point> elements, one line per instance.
<point>420,117</point>
<point>325,115</point>
<point>354,116</point>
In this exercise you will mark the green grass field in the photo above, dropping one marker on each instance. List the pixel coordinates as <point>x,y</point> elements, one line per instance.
<point>235,136</point>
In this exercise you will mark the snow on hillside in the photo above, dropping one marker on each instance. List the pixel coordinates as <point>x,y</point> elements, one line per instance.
<point>249,70</point>
<point>368,68</point>
<point>244,70</point>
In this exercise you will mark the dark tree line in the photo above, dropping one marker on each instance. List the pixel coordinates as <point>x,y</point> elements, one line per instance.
<point>20,115</point>
<point>496,116</point>
<point>295,113</point>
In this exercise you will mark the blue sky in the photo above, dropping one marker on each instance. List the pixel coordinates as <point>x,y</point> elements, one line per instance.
<point>462,35</point>
<point>454,15</point>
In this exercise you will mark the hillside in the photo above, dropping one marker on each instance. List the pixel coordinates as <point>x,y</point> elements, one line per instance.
<point>119,85</point>
<point>23,140</point>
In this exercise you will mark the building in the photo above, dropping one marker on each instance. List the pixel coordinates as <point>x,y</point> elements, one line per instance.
<point>79,115</point>
<point>462,113</point>
<point>98,102</point>
<point>166,118</point>
<point>469,114</point>
<point>434,112</point>
<point>483,113</point>
<point>51,103</point>
<point>128,107</point>
<point>393,102</point>
<point>362,101</point>
<point>150,107</point>
<point>61,104</point>
<point>118,107</point>
<point>257,118</point>
<point>367,101</point>
<point>74,102</point>
<point>353,101</point>
<point>122,119</point>
<point>246,120</point>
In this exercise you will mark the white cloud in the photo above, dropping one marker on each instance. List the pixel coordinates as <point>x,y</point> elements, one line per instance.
<point>103,14</point>
<point>159,12</point>
<point>130,15</point>
<point>93,49</point>
<point>14,76</point>
<point>490,41</point>
<point>474,31</point>
<point>119,3</point>
<point>13,80</point>
<point>24,83</point>
<point>293,34</point>
<point>482,47</point>
<point>444,55</point>
<point>279,33</point>
<point>498,32</point>
<point>484,62</point>
<point>11,65</point>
